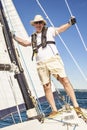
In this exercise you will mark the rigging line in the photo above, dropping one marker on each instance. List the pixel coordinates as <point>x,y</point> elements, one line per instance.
<point>23,58</point>
<point>44,12</point>
<point>30,80</point>
<point>63,42</point>
<point>79,68</point>
<point>80,35</point>
<point>14,95</point>
<point>58,92</point>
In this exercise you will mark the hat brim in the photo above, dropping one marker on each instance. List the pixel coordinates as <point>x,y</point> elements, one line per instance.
<point>33,22</point>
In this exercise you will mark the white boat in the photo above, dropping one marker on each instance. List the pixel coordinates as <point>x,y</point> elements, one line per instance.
<point>66,120</point>
<point>20,90</point>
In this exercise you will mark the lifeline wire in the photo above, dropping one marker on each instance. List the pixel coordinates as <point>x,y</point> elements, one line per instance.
<point>80,35</point>
<point>82,73</point>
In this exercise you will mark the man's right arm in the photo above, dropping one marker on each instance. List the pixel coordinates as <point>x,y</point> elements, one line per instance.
<point>21,41</point>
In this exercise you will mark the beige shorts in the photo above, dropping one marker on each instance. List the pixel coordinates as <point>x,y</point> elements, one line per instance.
<point>52,66</point>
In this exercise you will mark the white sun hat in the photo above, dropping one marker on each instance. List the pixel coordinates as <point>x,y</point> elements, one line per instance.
<point>36,19</point>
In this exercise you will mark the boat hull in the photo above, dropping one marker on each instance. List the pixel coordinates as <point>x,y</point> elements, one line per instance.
<point>65,120</point>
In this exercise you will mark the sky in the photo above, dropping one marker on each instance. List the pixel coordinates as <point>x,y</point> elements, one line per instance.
<point>75,60</point>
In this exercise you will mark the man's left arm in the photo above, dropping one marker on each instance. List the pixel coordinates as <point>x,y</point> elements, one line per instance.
<point>64,27</point>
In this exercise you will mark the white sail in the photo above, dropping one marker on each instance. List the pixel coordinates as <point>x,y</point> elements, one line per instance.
<point>17,26</point>
<point>7,80</point>
<point>24,56</point>
<point>4,57</point>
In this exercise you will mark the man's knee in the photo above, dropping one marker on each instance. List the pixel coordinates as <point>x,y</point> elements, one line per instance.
<point>47,86</point>
<point>65,81</point>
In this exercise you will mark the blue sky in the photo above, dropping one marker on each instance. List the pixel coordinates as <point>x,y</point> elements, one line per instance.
<point>59,14</point>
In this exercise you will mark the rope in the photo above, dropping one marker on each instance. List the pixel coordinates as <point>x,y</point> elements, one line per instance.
<point>82,73</point>
<point>30,79</point>
<point>58,92</point>
<point>80,35</point>
<point>14,95</point>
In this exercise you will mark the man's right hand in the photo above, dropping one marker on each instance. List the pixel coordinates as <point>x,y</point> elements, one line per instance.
<point>13,35</point>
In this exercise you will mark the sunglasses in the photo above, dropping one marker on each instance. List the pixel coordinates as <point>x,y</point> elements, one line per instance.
<point>39,22</point>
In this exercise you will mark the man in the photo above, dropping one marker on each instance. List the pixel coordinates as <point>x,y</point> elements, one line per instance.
<point>48,59</point>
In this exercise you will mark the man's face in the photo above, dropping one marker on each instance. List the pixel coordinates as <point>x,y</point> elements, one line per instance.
<point>39,26</point>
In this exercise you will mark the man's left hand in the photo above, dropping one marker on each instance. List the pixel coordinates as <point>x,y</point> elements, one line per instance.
<point>72,20</point>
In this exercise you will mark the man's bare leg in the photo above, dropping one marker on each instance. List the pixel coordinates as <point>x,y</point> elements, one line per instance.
<point>69,89</point>
<point>49,96</point>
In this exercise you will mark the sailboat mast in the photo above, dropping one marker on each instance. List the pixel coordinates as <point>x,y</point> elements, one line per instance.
<point>19,75</point>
